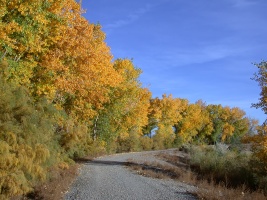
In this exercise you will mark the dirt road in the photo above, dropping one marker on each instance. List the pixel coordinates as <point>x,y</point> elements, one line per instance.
<point>107,178</point>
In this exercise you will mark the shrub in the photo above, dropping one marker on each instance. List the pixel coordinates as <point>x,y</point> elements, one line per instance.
<point>259,159</point>
<point>130,143</point>
<point>222,166</point>
<point>146,143</point>
<point>28,144</point>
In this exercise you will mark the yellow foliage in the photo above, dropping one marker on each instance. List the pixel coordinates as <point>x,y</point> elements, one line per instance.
<point>131,99</point>
<point>259,142</point>
<point>16,162</point>
<point>41,154</point>
<point>56,51</point>
<point>78,67</point>
<point>228,131</point>
<point>227,122</point>
<point>167,111</point>
<point>63,165</point>
<point>164,114</point>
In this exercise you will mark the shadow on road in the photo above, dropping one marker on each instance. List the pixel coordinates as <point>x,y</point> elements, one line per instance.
<point>106,162</point>
<point>89,161</point>
<point>142,168</point>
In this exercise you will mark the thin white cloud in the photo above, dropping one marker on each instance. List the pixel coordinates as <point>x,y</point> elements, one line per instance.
<point>199,55</point>
<point>243,3</point>
<point>132,17</point>
<point>135,15</point>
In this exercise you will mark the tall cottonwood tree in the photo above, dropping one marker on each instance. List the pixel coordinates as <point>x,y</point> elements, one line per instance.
<point>77,71</point>
<point>56,54</point>
<point>261,78</point>
<point>164,114</point>
<point>195,124</point>
<point>25,34</point>
<point>52,49</point>
<point>229,124</point>
<point>260,139</point>
<point>123,118</point>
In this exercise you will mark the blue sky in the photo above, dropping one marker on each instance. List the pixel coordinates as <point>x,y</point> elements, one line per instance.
<point>202,49</point>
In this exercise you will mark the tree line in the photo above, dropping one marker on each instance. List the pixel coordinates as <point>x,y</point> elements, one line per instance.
<point>62,96</point>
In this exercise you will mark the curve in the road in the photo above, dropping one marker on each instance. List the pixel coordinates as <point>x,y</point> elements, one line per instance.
<point>106,178</point>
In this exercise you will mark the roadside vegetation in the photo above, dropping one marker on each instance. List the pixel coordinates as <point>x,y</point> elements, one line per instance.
<point>216,171</point>
<point>63,97</point>
<point>232,173</point>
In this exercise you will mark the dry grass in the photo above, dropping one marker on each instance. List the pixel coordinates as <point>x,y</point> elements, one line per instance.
<point>212,191</point>
<point>177,167</point>
<point>155,170</point>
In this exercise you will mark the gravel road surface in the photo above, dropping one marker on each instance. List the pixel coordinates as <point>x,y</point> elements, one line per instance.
<point>107,178</point>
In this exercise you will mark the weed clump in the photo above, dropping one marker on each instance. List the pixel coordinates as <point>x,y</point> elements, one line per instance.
<point>223,166</point>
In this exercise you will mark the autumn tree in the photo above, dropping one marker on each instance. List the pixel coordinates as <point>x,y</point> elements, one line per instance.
<point>229,124</point>
<point>27,31</point>
<point>77,72</point>
<point>54,53</point>
<point>261,78</point>
<point>123,118</point>
<point>259,158</point>
<point>164,114</point>
<point>52,49</point>
<point>259,140</point>
<point>195,124</point>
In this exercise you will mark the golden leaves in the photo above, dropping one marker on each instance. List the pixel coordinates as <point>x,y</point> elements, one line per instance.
<point>80,64</point>
<point>132,98</point>
<point>167,110</point>
<point>57,52</point>
<point>228,131</point>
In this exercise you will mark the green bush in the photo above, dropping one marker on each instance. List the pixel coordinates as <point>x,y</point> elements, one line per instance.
<point>222,166</point>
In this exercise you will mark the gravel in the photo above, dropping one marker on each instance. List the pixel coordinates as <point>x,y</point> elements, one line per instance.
<point>107,178</point>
